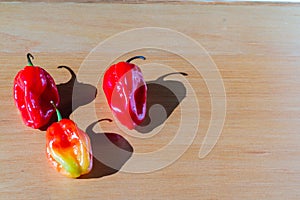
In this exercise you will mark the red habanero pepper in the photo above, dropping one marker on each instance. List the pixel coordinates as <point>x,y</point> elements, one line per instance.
<point>68,148</point>
<point>34,88</point>
<point>126,92</point>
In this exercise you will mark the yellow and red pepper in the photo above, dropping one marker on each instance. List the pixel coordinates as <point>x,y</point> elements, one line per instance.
<point>68,148</point>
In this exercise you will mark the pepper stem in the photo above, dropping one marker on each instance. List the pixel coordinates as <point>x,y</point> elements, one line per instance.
<point>59,117</point>
<point>29,57</point>
<point>135,57</point>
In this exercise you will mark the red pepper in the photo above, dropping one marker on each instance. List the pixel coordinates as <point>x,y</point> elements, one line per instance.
<point>34,88</point>
<point>68,148</point>
<point>126,92</point>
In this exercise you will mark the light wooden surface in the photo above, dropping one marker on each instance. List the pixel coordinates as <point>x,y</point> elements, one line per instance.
<point>257,50</point>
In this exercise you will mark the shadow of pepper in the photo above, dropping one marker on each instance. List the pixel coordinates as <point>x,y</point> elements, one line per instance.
<point>162,99</point>
<point>110,152</point>
<point>68,102</point>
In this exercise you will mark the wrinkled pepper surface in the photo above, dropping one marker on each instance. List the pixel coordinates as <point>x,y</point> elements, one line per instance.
<point>33,89</point>
<point>68,148</point>
<point>126,92</point>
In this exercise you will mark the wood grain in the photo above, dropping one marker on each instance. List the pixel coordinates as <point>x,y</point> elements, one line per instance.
<point>256,49</point>
<point>174,2</point>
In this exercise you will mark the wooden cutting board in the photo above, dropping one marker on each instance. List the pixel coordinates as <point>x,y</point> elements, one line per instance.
<point>255,50</point>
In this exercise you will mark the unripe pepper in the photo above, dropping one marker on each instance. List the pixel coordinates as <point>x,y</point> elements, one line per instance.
<point>33,89</point>
<point>126,92</point>
<point>68,148</point>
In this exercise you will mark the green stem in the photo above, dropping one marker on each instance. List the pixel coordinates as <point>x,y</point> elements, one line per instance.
<point>29,57</point>
<point>135,57</point>
<point>59,117</point>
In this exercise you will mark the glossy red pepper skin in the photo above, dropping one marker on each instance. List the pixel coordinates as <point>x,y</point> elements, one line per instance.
<point>33,89</point>
<point>68,149</point>
<point>126,92</point>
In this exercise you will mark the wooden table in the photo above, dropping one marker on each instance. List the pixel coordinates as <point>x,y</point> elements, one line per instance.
<point>257,51</point>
